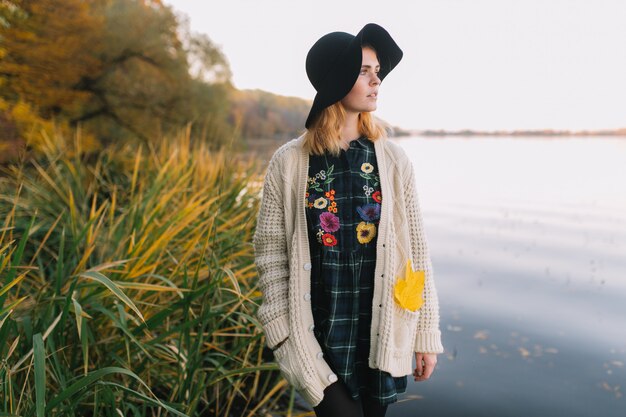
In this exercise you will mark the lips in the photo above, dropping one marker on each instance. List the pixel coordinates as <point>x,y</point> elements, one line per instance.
<point>375,94</point>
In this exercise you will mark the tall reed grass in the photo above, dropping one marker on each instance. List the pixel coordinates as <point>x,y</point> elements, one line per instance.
<point>128,286</point>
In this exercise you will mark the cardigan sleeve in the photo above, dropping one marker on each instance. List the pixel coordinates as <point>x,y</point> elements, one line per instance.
<point>271,260</point>
<point>428,338</point>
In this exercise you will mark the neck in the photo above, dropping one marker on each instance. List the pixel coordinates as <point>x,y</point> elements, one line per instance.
<point>350,130</point>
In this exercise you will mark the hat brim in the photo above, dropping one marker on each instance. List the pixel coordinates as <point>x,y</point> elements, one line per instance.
<point>347,68</point>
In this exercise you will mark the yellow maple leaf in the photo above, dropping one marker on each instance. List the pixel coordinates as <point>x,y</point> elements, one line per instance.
<point>408,291</point>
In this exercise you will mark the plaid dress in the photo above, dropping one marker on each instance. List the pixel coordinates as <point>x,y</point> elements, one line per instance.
<point>343,210</point>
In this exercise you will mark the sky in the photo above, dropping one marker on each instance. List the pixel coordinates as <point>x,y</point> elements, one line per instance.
<point>468,64</point>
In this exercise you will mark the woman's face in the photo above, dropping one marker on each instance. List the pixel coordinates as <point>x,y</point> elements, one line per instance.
<point>364,93</point>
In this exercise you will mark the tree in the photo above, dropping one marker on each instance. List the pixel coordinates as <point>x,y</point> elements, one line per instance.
<point>48,47</point>
<point>120,68</point>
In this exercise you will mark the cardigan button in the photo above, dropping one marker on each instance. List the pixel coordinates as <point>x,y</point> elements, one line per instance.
<point>307,297</point>
<point>311,327</point>
<point>320,355</point>
<point>332,378</point>
<point>307,266</point>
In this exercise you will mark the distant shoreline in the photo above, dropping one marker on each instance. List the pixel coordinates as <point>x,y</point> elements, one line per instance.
<point>265,147</point>
<point>548,132</point>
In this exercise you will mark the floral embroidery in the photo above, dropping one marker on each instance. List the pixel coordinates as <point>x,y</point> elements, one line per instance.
<point>329,240</point>
<point>329,222</point>
<point>320,233</point>
<point>320,196</point>
<point>374,178</point>
<point>320,203</point>
<point>368,190</point>
<point>365,232</point>
<point>408,291</point>
<point>369,212</point>
<point>325,176</point>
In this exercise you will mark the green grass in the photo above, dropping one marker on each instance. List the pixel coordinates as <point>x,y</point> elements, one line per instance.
<point>127,285</point>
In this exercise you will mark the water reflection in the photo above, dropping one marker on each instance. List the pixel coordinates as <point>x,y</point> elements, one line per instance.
<point>528,239</point>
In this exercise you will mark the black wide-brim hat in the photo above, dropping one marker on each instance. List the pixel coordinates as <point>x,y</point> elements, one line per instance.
<point>334,62</point>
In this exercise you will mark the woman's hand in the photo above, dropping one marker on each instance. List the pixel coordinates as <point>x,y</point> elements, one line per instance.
<point>426,363</point>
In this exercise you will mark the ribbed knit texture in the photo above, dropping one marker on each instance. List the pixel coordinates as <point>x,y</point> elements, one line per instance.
<point>283,263</point>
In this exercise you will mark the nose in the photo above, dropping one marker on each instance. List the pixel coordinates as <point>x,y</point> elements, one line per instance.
<point>375,80</point>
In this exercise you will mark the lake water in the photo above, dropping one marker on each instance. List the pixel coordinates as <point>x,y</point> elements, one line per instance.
<point>528,243</point>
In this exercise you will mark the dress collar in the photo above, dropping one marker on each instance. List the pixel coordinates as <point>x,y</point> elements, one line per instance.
<point>361,142</point>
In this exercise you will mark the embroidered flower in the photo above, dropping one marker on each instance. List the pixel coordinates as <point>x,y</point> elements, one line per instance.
<point>368,190</point>
<point>332,207</point>
<point>320,233</point>
<point>367,167</point>
<point>322,178</point>
<point>408,291</point>
<point>378,197</point>
<point>320,203</point>
<point>329,240</point>
<point>329,222</point>
<point>365,232</point>
<point>369,212</point>
<point>330,195</point>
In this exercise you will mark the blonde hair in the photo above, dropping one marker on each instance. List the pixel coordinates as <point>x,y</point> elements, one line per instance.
<point>325,134</point>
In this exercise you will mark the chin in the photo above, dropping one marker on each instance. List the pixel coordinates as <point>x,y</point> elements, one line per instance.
<point>369,108</point>
<point>362,109</point>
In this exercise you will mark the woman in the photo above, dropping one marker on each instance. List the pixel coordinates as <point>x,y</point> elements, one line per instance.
<point>344,266</point>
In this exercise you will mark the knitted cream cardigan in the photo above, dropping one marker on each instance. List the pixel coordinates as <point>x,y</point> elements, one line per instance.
<point>284,266</point>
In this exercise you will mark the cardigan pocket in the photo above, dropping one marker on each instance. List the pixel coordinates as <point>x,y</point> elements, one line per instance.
<point>405,326</point>
<point>287,363</point>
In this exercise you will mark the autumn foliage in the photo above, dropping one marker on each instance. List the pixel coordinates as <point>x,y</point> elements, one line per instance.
<point>118,68</point>
<point>122,70</point>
